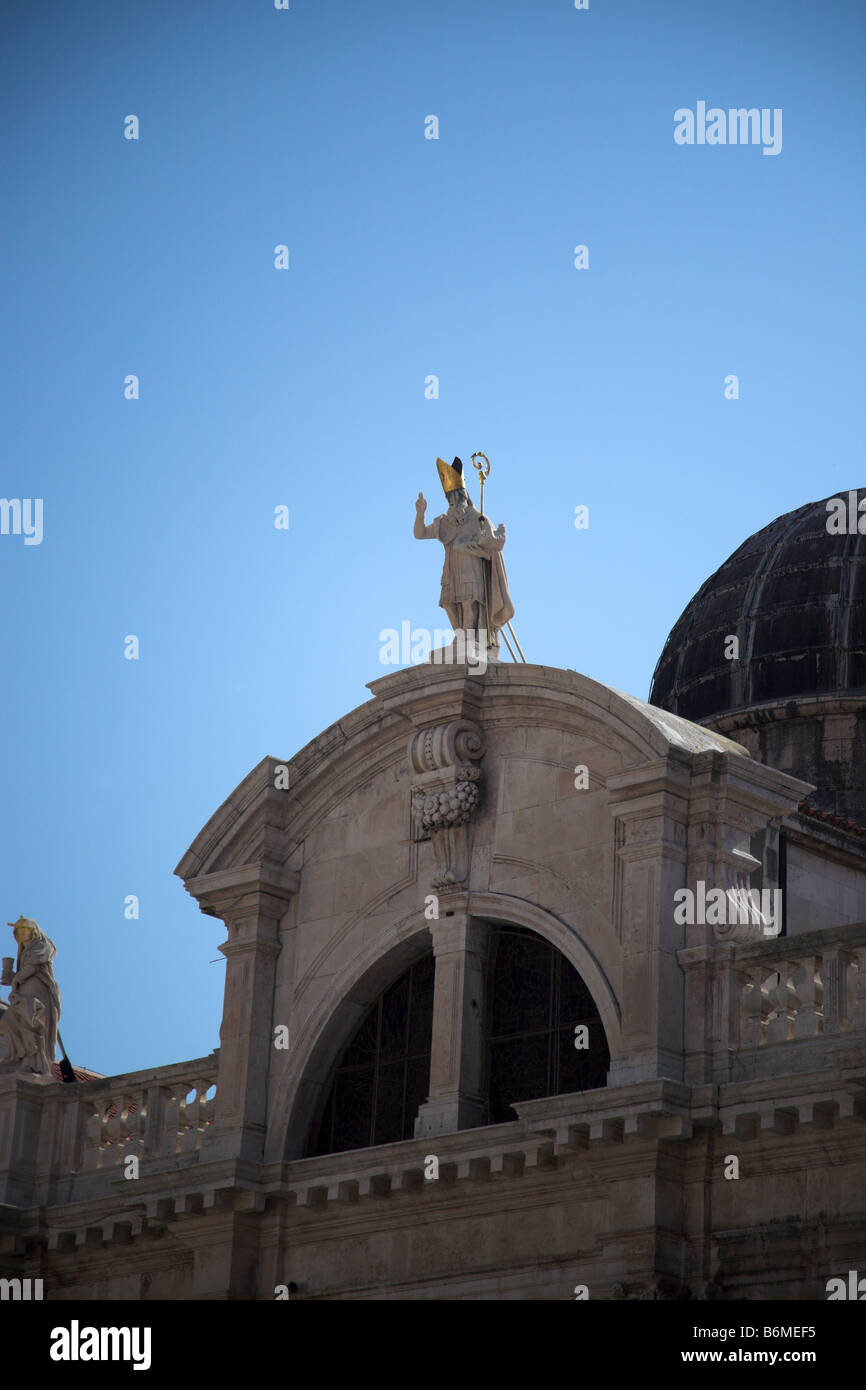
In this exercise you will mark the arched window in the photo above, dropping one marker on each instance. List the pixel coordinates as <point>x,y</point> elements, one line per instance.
<point>535,1003</point>
<point>384,1074</point>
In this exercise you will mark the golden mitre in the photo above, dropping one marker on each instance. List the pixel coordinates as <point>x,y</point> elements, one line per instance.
<point>450,476</point>
<point>23,922</point>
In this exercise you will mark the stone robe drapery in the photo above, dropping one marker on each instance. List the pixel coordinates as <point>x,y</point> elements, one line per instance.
<point>470,548</point>
<point>28,1026</point>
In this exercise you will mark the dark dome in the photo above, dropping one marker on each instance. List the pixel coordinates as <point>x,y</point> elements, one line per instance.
<point>795,596</point>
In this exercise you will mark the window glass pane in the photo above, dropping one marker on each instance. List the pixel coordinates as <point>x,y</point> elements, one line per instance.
<point>376,1090</point>
<point>575,1001</point>
<point>518,1072</point>
<point>362,1048</point>
<point>395,1013</point>
<point>389,1103</point>
<point>536,999</point>
<point>353,1094</point>
<point>521,984</point>
<point>583,1069</point>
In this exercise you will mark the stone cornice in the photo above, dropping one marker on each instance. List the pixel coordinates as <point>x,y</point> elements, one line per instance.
<point>831,841</point>
<point>121,1081</point>
<point>431,694</point>
<point>658,787</point>
<point>263,820</point>
<point>255,810</point>
<point>816,706</point>
<point>266,888</point>
<point>750,786</point>
<point>848,937</point>
<point>605,1122</point>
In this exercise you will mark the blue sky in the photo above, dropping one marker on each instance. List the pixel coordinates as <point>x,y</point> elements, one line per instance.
<point>305,388</point>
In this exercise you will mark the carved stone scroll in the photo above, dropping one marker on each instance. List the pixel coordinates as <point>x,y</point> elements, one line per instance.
<point>446,792</point>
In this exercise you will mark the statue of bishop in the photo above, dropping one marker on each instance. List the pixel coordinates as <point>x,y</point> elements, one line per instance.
<point>474,590</point>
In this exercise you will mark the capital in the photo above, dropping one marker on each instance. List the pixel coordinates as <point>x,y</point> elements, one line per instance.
<point>247,891</point>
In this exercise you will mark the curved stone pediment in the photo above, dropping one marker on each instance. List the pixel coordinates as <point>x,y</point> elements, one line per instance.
<point>275,805</point>
<point>525,795</point>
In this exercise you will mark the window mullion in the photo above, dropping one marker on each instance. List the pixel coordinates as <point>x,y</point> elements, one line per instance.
<point>376,1058</point>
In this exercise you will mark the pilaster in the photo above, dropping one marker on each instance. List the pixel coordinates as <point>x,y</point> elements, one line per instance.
<point>252,900</point>
<point>456,1099</point>
<point>650,809</point>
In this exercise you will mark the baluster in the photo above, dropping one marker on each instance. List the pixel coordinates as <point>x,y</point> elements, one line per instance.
<point>137,1122</point>
<point>173,1120</point>
<point>780,1025</point>
<point>134,1118</point>
<point>754,1008</point>
<point>809,996</point>
<point>114,1131</point>
<point>858,990</point>
<point>189,1136</point>
<point>207,1102</point>
<point>93,1141</point>
<point>193,1106</point>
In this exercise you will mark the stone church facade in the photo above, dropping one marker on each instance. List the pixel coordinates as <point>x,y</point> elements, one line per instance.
<point>470,1048</point>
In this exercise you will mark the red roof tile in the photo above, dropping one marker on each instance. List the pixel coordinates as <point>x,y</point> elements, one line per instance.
<point>81,1074</point>
<point>827,816</point>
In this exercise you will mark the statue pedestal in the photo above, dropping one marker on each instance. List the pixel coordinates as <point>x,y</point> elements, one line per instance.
<point>15,1068</point>
<point>465,651</point>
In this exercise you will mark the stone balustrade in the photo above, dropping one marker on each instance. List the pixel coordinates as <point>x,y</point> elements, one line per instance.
<point>547,1137</point>
<point>801,991</point>
<point>149,1115</point>
<point>742,1000</point>
<point>793,1008</point>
